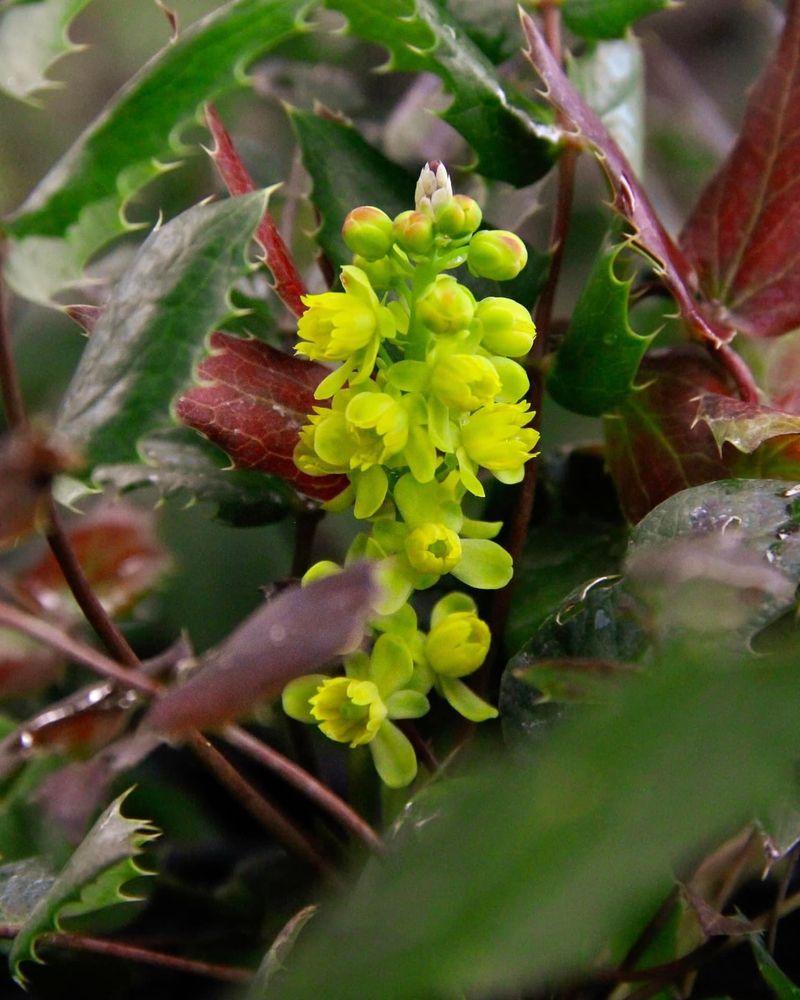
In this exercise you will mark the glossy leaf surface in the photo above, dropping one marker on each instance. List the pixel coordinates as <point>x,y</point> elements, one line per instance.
<point>607,18</point>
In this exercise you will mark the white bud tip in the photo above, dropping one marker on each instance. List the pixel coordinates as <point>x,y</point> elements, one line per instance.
<point>433,186</point>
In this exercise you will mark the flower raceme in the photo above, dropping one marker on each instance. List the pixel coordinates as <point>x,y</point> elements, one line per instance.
<point>425,401</point>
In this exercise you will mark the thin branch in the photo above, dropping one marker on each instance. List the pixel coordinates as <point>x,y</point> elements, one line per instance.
<point>135,953</point>
<point>300,779</point>
<point>270,817</point>
<point>13,402</point>
<point>739,371</point>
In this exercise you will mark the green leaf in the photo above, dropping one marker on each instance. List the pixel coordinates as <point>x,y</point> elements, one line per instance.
<point>607,18</point>
<point>22,884</point>
<point>274,961</point>
<point>32,37</point>
<point>610,78</point>
<point>567,854</point>
<point>79,207</point>
<point>779,983</point>
<point>181,464</point>
<point>347,171</point>
<point>504,129</point>
<point>92,879</point>
<point>597,363</point>
<point>152,330</point>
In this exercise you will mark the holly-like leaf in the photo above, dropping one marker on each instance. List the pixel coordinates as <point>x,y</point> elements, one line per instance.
<point>744,425</point>
<point>347,171</point>
<point>93,878</point>
<point>607,18</point>
<point>180,464</point>
<point>119,553</point>
<point>252,402</point>
<point>566,855</point>
<point>596,365</point>
<point>504,129</point>
<point>655,446</point>
<point>144,347</point>
<point>22,885</point>
<point>80,205</point>
<point>300,630</point>
<point>33,36</point>
<point>629,197</point>
<point>744,235</point>
<point>610,78</point>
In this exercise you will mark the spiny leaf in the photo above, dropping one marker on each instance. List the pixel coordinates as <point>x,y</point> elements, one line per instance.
<point>566,854</point>
<point>180,464</point>
<point>252,401</point>
<point>144,346</point>
<point>22,884</point>
<point>300,630</point>
<point>607,18</point>
<point>744,425</point>
<point>93,878</point>
<point>504,129</point>
<point>655,448</point>
<point>79,206</point>
<point>33,36</point>
<point>630,199</point>
<point>744,235</point>
<point>610,78</point>
<point>597,363</point>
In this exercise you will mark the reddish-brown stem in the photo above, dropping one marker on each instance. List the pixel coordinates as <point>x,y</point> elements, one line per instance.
<point>289,286</point>
<point>305,528</point>
<point>270,817</point>
<point>9,380</point>
<point>739,372</point>
<point>135,953</point>
<point>314,790</point>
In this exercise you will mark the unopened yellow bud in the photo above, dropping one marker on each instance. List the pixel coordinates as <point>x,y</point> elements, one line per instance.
<point>458,644</point>
<point>465,381</point>
<point>413,232</point>
<point>446,306</point>
<point>496,253</point>
<point>459,216</point>
<point>368,231</point>
<point>506,327</point>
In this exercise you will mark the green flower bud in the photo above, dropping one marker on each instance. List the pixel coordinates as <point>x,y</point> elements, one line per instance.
<point>459,216</point>
<point>433,548</point>
<point>506,327</point>
<point>458,644</point>
<point>496,253</point>
<point>368,231</point>
<point>413,232</point>
<point>496,436</point>
<point>380,272</point>
<point>348,711</point>
<point>465,381</point>
<point>446,306</point>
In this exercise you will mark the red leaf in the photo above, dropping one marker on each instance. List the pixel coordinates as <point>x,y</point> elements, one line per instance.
<point>630,199</point>
<point>300,630</point>
<point>28,462</point>
<point>25,665</point>
<point>117,548</point>
<point>744,234</point>
<point>289,285</point>
<point>655,445</point>
<point>252,404</point>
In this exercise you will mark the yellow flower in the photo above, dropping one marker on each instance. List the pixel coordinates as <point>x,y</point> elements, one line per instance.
<point>347,710</point>
<point>497,438</point>
<point>457,645</point>
<point>465,381</point>
<point>433,548</point>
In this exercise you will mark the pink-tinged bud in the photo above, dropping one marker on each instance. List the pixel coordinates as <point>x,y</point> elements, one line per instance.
<point>497,254</point>
<point>446,306</point>
<point>367,231</point>
<point>459,216</point>
<point>413,232</point>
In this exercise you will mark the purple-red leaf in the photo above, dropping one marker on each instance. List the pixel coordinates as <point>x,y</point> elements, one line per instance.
<point>300,630</point>
<point>744,235</point>
<point>655,445</point>
<point>252,403</point>
<point>119,553</point>
<point>28,462</point>
<point>25,665</point>
<point>289,285</point>
<point>629,197</point>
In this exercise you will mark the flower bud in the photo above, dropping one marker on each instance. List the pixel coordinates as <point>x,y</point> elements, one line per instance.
<point>433,187</point>
<point>459,216</point>
<point>381,272</point>
<point>367,231</point>
<point>506,327</point>
<point>465,381</point>
<point>458,644</point>
<point>413,232</point>
<point>433,548</point>
<point>445,306</point>
<point>496,253</point>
